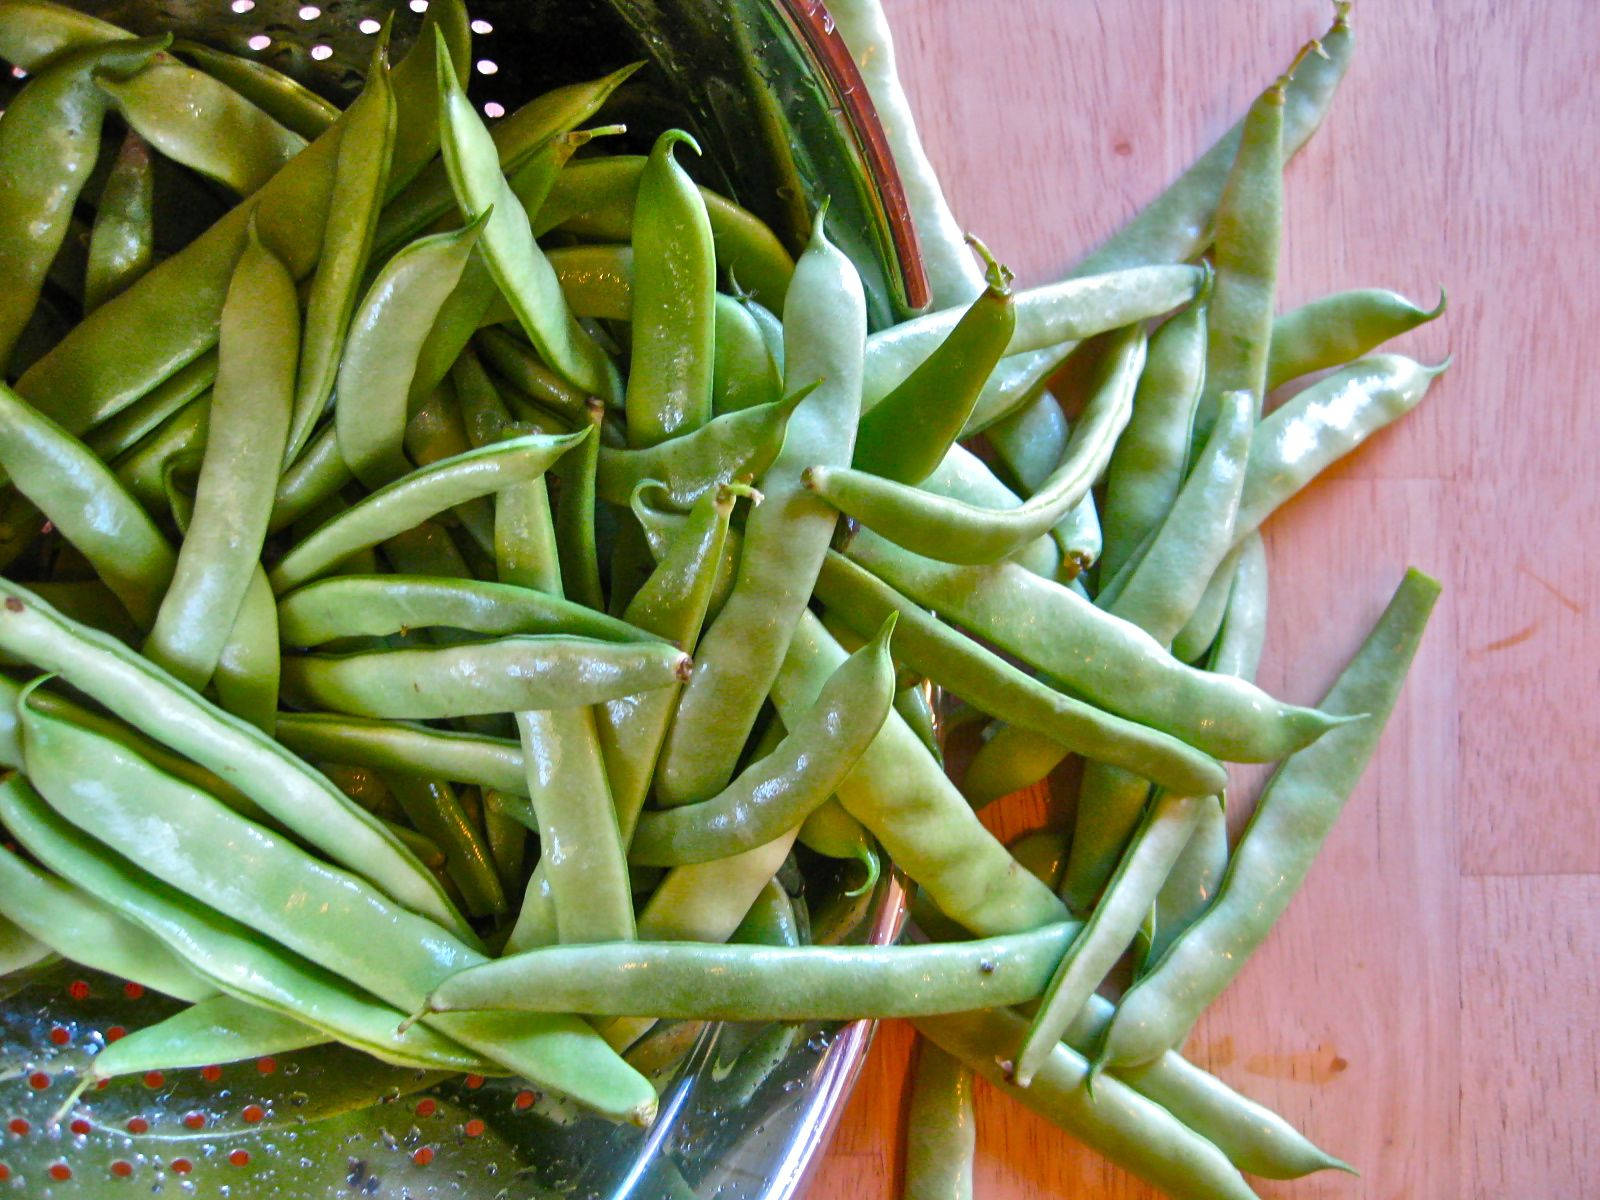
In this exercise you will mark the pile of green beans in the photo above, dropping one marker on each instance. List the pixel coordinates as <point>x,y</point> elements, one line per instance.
<point>440,608</point>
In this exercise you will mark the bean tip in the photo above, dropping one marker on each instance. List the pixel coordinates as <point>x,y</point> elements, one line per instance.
<point>684,668</point>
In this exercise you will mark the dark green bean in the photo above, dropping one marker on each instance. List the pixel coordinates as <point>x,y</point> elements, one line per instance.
<point>765,983</point>
<point>574,515</point>
<point>285,100</point>
<point>432,806</point>
<point>123,241</point>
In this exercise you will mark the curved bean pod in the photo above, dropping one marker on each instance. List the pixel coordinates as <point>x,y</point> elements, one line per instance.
<point>34,32</point>
<point>284,99</point>
<point>510,674</point>
<point>740,443</point>
<point>422,494</point>
<point>1292,818</point>
<point>744,373</point>
<point>399,746</point>
<point>214,1031</point>
<point>781,789</point>
<point>763,983</point>
<point>130,686</point>
<point>122,432</point>
<point>1338,328</point>
<point>122,242</point>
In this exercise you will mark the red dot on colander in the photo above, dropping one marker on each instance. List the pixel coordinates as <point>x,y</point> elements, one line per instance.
<point>79,1127</point>
<point>523,1100</point>
<point>19,1127</point>
<point>240,1158</point>
<point>422,1156</point>
<point>427,1106</point>
<point>5,1172</point>
<point>266,1065</point>
<point>194,1120</point>
<point>474,1081</point>
<point>253,1113</point>
<point>211,1074</point>
<point>154,1079</point>
<point>78,989</point>
<point>474,1128</point>
<point>38,1081</point>
<point>132,990</point>
<point>138,1125</point>
<point>115,1034</point>
<point>181,1166</point>
<point>60,1036</point>
<point>122,1168</point>
<point>60,1172</point>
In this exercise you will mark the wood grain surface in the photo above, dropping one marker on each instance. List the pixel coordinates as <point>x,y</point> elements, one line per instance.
<point>1427,1008</point>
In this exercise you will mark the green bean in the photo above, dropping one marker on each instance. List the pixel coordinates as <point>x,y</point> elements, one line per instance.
<point>285,100</point>
<point>513,257</point>
<point>964,477</point>
<point>1321,424</point>
<point>952,531</point>
<point>1147,467</point>
<point>507,836</point>
<point>771,921</point>
<point>1046,317</point>
<point>436,431</point>
<point>403,504</point>
<point>675,289</point>
<point>379,362</point>
<point>18,951</point>
<point>200,123</point>
<point>1177,224</point>
<point>596,200</point>
<point>517,137</point>
<point>1014,757</point>
<point>123,241</point>
<point>517,363</point>
<point>743,372</point>
<point>360,174</point>
<point>574,516</point>
<point>899,793</point>
<point>80,927</point>
<point>330,917</point>
<point>964,668</point>
<point>1192,641</point>
<point>1111,928</point>
<point>1249,227</point>
<point>1105,659</point>
<point>169,318</point>
<point>432,806</point>
<point>214,1031</point>
<point>1113,1119</point>
<point>941,1128</point>
<point>786,537</point>
<point>49,138</point>
<point>396,746</point>
<point>1237,649</point>
<point>912,704</point>
<point>596,280</point>
<point>257,350</point>
<point>1296,810</point>
<point>379,605</point>
<point>246,676</point>
<point>123,431</point>
<point>508,674</point>
<point>906,434</point>
<point>741,443</point>
<point>764,983</point>
<point>35,32</point>
<point>90,507</point>
<point>1017,383</point>
<point>1031,443</point>
<point>781,789</point>
<point>1335,329</point>
<point>1189,886</point>
<point>135,690</point>
<point>219,953</point>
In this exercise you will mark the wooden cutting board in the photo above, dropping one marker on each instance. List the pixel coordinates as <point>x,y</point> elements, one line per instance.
<point>1427,1007</point>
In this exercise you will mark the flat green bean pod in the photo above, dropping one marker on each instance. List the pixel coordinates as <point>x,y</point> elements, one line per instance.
<point>953,531</point>
<point>401,746</point>
<point>284,99</point>
<point>766,983</point>
<point>34,32</point>
<point>509,674</point>
<point>344,606</point>
<point>1292,817</point>
<point>220,953</point>
<point>379,361</point>
<point>1046,317</point>
<point>422,494</point>
<point>136,690</point>
<point>740,443</point>
<point>201,123</point>
<point>1333,330</point>
<point>514,258</point>
<point>1104,659</point>
<point>1113,1119</point>
<point>249,422</point>
<point>781,789</point>
<point>214,1031</point>
<point>49,139</point>
<point>941,1128</point>
<point>88,504</point>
